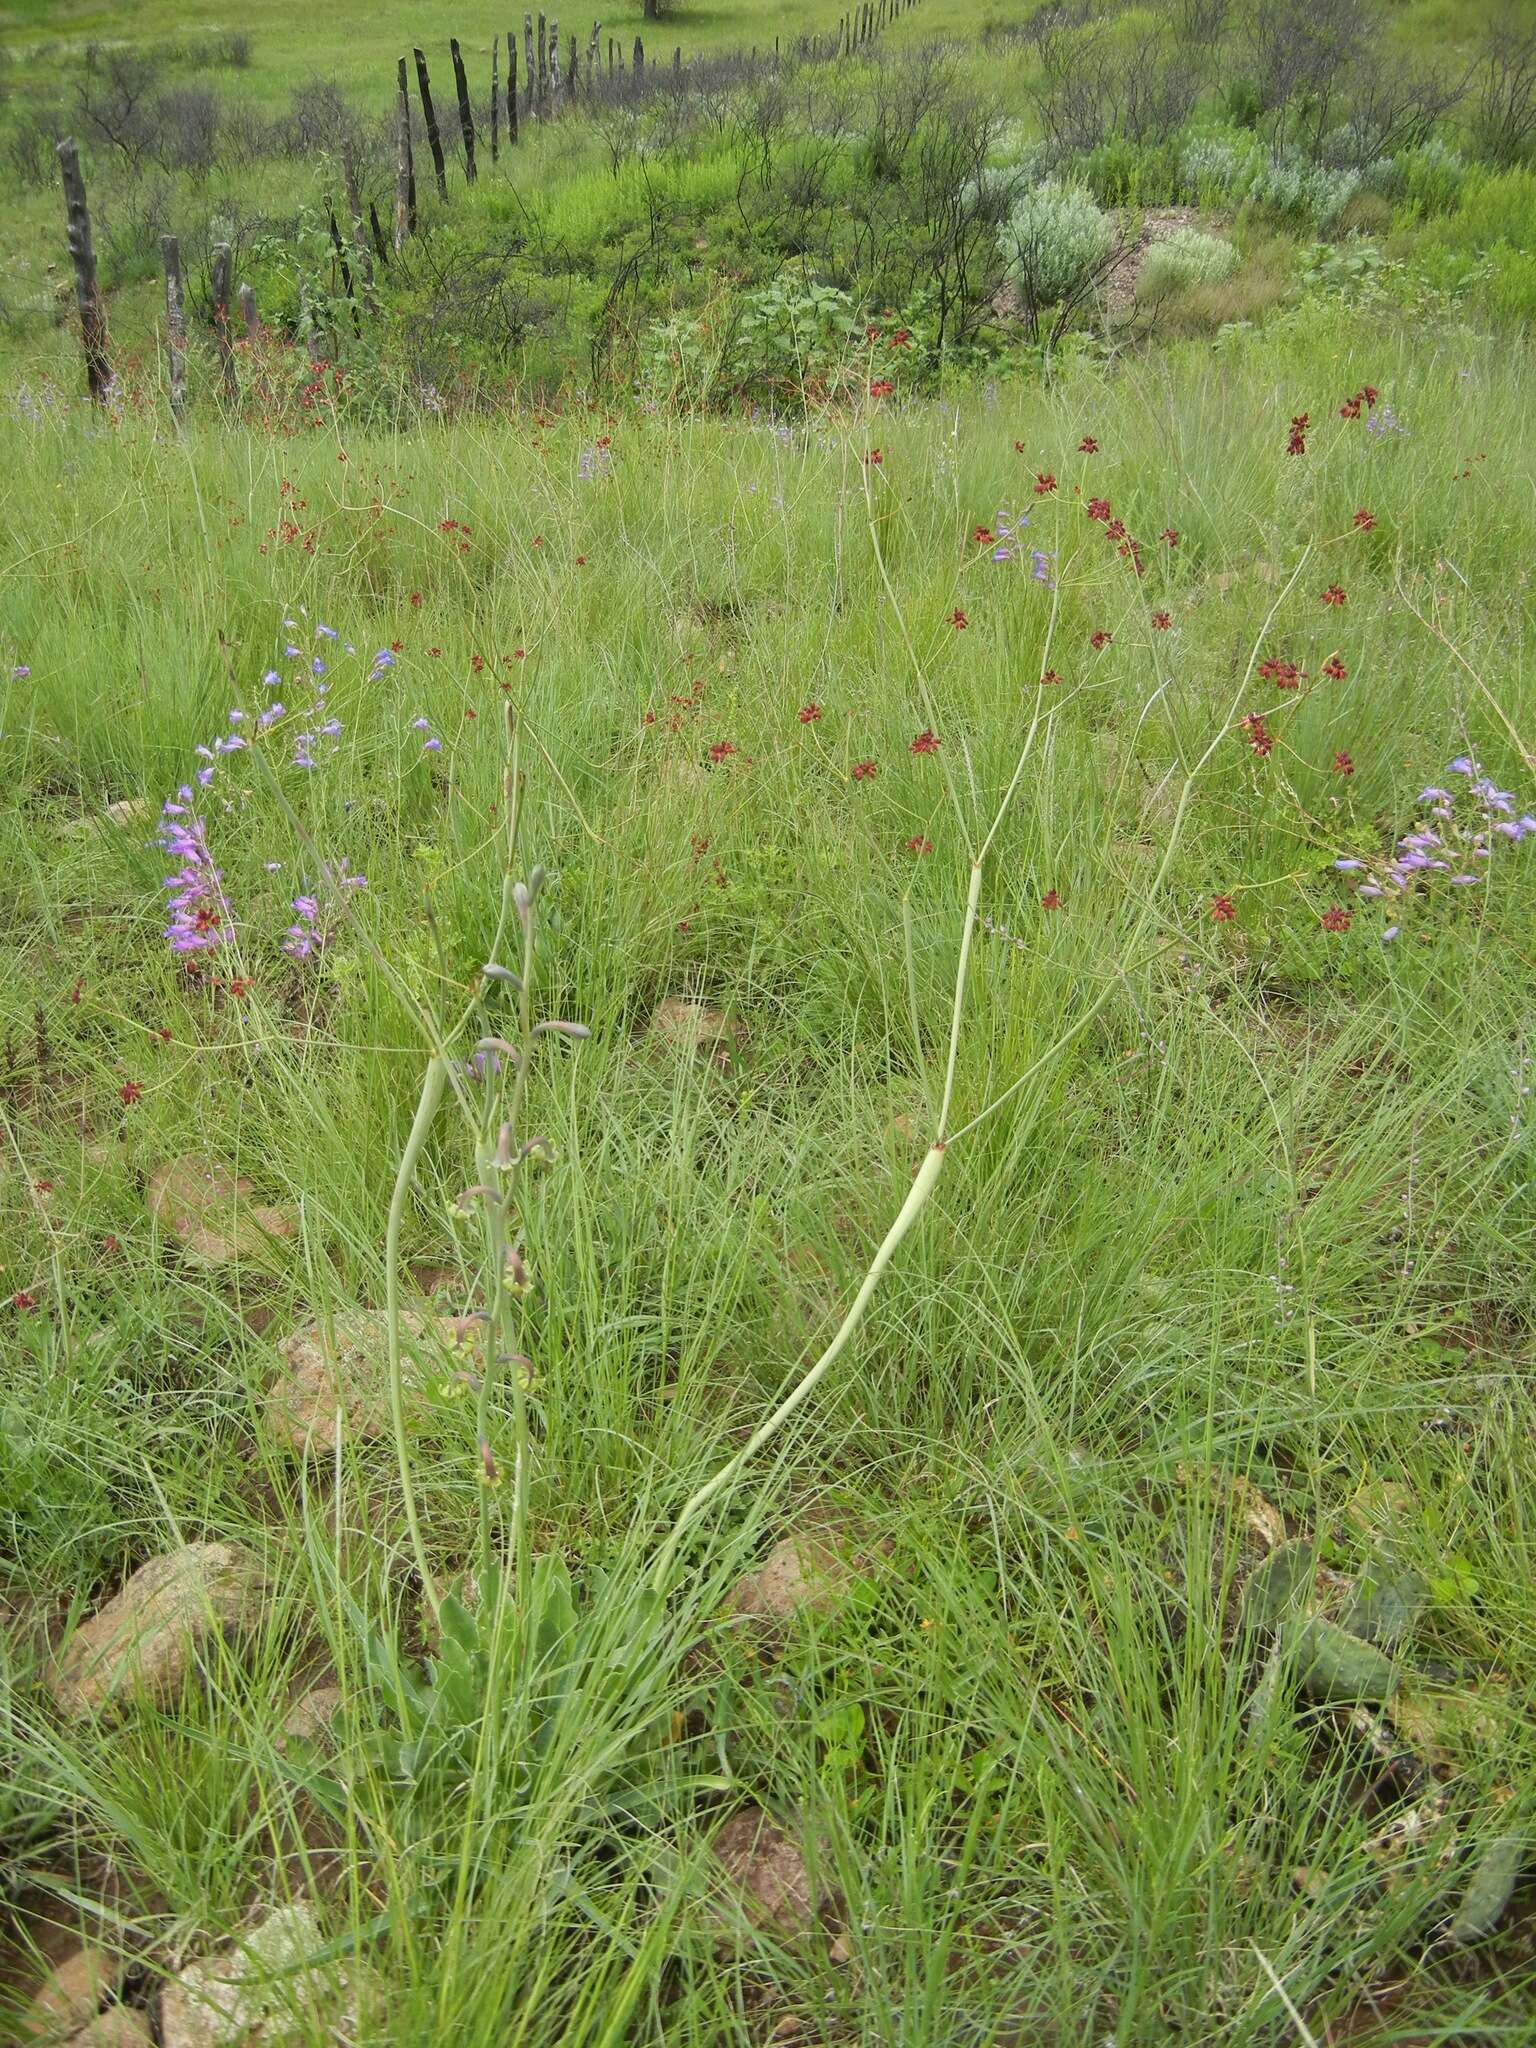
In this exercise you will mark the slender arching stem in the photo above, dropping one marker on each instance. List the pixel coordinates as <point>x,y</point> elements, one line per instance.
<point>432,1084</point>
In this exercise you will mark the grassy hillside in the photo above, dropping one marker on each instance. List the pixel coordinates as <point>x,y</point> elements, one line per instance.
<point>1233,1241</point>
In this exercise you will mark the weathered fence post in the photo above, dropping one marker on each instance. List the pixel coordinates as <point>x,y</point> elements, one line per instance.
<point>511,88</point>
<point>466,116</point>
<point>528,63</point>
<point>639,59</point>
<point>573,75</point>
<point>359,231</point>
<point>249,314</point>
<point>495,98</point>
<point>175,325</point>
<point>543,65</point>
<point>82,254</point>
<point>434,140</point>
<point>653,10</point>
<point>677,58</point>
<point>405,169</point>
<point>223,260</point>
<point>554,55</point>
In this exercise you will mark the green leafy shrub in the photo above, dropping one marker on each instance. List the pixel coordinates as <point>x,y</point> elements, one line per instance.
<point>1216,170</point>
<point>1186,258</point>
<point>1430,178</point>
<point>1295,189</point>
<point>1052,241</point>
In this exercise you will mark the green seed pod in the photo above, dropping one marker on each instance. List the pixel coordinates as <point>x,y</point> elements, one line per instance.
<point>1488,1891</point>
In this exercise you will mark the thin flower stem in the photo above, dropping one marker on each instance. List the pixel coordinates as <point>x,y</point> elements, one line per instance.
<point>917,1197</point>
<point>432,1085</point>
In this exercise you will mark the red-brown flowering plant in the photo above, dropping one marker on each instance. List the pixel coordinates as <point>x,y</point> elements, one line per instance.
<point>1223,909</point>
<point>927,742</point>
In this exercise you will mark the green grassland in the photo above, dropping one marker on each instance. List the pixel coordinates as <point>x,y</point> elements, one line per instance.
<point>1256,1205</point>
<point>1021,836</point>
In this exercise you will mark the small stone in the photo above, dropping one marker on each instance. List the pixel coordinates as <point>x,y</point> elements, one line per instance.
<point>118,2027</point>
<point>72,1994</point>
<point>146,1638</point>
<point>768,1870</point>
<point>341,1368</point>
<point>807,1572</point>
<point>310,1717</point>
<point>249,1991</point>
<point>209,1211</point>
<point>688,1025</point>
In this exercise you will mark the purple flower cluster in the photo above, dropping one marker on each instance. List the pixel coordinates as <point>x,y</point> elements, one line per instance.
<point>594,465</point>
<point>200,912</point>
<point>1454,840</point>
<point>198,907</point>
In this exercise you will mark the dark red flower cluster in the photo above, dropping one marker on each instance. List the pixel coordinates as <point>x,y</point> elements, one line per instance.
<point>1100,640</point>
<point>1336,918</point>
<point>1335,670</point>
<point>809,713</point>
<point>864,771</point>
<point>1285,675</point>
<point>1161,622</point>
<point>1336,596</point>
<point>1049,677</point>
<point>927,742</point>
<point>1171,535</point>
<point>882,387</point>
<point>1359,401</point>
<point>1364,520</point>
<point>1045,483</point>
<point>1297,443</point>
<point>1051,900</point>
<point>722,750</point>
<point>1223,909</point>
<point>1087,445</point>
<point>1258,734</point>
<point>958,620</point>
<point>1342,764</point>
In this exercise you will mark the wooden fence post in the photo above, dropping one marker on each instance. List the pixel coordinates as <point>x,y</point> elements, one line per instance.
<point>511,87</point>
<point>495,98</point>
<point>405,169</point>
<point>434,140</point>
<point>466,117</point>
<point>359,231</point>
<point>249,315</point>
<point>639,55</point>
<point>677,58</point>
<point>554,55</point>
<point>571,76</point>
<point>543,65</point>
<point>82,254</point>
<point>175,325</point>
<point>222,268</point>
<point>528,64</point>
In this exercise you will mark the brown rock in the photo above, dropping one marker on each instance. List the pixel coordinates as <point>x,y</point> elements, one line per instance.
<point>335,1371</point>
<point>146,1638</point>
<point>117,2027</point>
<point>71,1994</point>
<point>247,1992</point>
<point>766,1868</point>
<point>809,1571</point>
<point>310,1716</point>
<point>341,1368</point>
<point>209,1211</point>
<point>687,1025</point>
